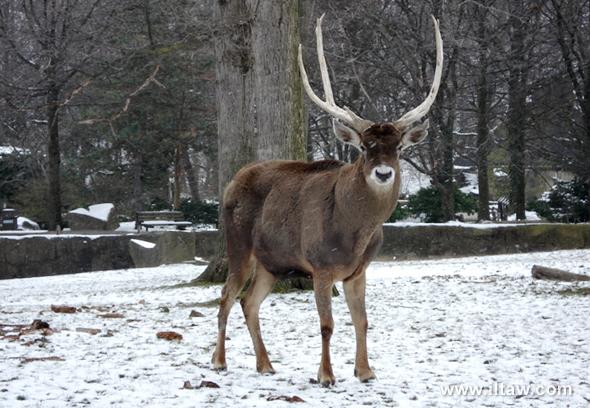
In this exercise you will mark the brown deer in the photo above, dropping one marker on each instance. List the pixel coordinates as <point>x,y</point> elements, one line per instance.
<point>322,220</point>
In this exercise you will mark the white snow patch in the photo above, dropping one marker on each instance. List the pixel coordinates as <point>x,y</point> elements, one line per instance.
<point>500,173</point>
<point>99,211</point>
<point>44,234</point>
<point>472,185</point>
<point>487,225</point>
<point>412,179</point>
<point>473,321</point>
<point>6,150</point>
<point>144,244</point>
<point>25,223</point>
<point>530,216</point>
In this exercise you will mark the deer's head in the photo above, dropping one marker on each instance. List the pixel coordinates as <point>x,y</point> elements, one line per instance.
<point>380,143</point>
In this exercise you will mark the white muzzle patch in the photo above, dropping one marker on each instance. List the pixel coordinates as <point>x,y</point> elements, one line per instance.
<point>382,175</point>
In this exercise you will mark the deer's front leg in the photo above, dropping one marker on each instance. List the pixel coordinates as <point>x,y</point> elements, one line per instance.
<point>323,298</point>
<point>354,291</point>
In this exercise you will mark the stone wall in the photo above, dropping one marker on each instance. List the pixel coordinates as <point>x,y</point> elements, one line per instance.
<point>40,256</point>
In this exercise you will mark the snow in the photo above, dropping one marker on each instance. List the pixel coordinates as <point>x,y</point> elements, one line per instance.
<point>530,216</point>
<point>472,185</point>
<point>500,173</point>
<point>6,150</point>
<point>99,211</point>
<point>473,321</point>
<point>45,234</point>
<point>487,225</point>
<point>412,179</point>
<point>23,221</point>
<point>144,244</point>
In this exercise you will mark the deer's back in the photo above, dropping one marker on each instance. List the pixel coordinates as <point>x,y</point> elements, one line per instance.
<point>285,212</point>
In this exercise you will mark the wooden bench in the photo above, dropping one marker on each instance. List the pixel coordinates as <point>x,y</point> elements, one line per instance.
<point>151,219</point>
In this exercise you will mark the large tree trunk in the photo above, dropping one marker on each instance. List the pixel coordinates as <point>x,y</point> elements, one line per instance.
<point>446,179</point>
<point>278,89</point>
<point>483,133</point>
<point>516,112</point>
<point>266,78</point>
<point>177,176</point>
<point>235,108</point>
<point>54,218</point>
<point>189,171</point>
<point>138,181</point>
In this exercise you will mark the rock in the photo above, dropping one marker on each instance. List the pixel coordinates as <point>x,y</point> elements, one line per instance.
<point>195,313</point>
<point>142,254</point>
<point>98,217</point>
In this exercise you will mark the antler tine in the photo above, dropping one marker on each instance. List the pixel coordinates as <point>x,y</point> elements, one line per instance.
<point>421,110</point>
<point>329,106</point>
<point>322,61</point>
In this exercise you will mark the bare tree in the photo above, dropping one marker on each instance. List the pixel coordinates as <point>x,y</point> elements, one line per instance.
<point>55,43</point>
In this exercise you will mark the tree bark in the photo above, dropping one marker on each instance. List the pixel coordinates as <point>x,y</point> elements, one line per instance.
<point>260,96</point>
<point>278,88</point>
<point>516,112</point>
<point>545,273</point>
<point>138,181</point>
<point>177,176</point>
<point>235,108</point>
<point>189,171</point>
<point>483,133</point>
<point>446,180</point>
<point>54,218</point>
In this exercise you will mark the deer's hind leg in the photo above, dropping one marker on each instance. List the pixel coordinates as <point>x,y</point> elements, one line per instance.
<point>240,263</point>
<point>260,287</point>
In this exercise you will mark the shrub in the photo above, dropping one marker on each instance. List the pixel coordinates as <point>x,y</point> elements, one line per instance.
<point>568,201</point>
<point>400,213</point>
<point>427,202</point>
<point>200,212</point>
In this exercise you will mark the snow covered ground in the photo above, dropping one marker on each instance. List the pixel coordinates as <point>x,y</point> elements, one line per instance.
<point>473,321</point>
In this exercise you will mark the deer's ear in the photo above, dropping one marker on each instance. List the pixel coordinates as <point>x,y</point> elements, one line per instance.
<point>415,134</point>
<point>346,134</point>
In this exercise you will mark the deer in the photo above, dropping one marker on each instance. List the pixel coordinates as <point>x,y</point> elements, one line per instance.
<point>321,220</point>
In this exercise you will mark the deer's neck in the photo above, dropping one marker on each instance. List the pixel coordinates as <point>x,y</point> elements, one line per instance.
<point>360,202</point>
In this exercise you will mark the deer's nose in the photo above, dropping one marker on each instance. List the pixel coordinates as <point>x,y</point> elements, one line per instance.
<point>382,174</point>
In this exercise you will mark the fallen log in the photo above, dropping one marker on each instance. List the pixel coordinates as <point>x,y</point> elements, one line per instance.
<point>545,273</point>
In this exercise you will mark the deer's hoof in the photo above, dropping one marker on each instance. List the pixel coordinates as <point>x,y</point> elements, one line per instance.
<point>364,374</point>
<point>265,369</point>
<point>326,379</point>
<point>218,364</point>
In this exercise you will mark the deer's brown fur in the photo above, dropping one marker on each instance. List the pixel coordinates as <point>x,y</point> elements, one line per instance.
<point>322,220</point>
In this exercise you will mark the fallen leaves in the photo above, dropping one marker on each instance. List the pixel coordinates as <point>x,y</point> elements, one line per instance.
<point>208,384</point>
<point>111,315</point>
<point>87,330</point>
<point>33,359</point>
<point>13,332</point>
<point>169,335</point>
<point>204,384</point>
<point>63,309</point>
<point>293,398</point>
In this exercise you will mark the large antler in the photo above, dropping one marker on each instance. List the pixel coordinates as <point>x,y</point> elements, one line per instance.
<point>421,110</point>
<point>329,106</point>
